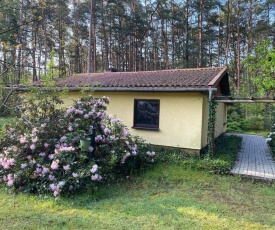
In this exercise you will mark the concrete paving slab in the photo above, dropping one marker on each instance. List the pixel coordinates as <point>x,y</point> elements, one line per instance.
<point>254,159</point>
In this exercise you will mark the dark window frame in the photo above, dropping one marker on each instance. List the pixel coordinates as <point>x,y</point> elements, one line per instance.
<point>146,126</point>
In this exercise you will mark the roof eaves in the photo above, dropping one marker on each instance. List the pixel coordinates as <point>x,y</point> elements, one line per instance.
<point>118,89</point>
<point>214,82</point>
<point>140,89</point>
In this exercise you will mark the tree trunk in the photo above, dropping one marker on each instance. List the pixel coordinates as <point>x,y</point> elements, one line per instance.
<point>228,26</point>
<point>92,41</point>
<point>199,63</point>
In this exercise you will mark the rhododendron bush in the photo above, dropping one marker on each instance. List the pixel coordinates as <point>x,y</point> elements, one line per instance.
<point>40,152</point>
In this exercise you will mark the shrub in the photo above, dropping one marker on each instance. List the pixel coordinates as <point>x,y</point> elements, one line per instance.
<point>271,139</point>
<point>216,166</point>
<point>40,152</point>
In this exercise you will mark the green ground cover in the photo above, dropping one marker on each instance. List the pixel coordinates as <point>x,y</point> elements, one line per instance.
<point>5,120</point>
<point>175,194</point>
<point>168,197</point>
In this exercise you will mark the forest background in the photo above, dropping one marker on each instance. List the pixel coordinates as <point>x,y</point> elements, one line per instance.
<point>58,38</point>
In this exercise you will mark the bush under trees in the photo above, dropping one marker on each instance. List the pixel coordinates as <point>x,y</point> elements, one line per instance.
<point>40,152</point>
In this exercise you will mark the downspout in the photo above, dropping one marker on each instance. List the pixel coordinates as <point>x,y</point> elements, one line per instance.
<point>211,122</point>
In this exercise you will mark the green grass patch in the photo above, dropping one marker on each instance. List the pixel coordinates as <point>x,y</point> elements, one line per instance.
<point>263,133</point>
<point>172,195</point>
<point>5,120</point>
<point>168,197</point>
<point>226,150</point>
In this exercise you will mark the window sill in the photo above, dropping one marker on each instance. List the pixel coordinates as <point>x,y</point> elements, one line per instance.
<point>146,128</point>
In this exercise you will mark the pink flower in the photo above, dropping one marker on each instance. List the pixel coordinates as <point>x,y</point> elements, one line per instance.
<point>38,170</point>
<point>67,167</point>
<point>75,175</point>
<point>45,170</point>
<point>54,165</point>
<point>55,193</point>
<point>98,138</point>
<point>32,147</point>
<point>22,140</point>
<point>91,149</point>
<point>29,157</point>
<point>125,157</point>
<point>70,128</point>
<point>78,111</point>
<point>10,176</point>
<point>134,148</point>
<point>95,177</point>
<point>61,183</point>
<point>94,168</point>
<point>10,183</point>
<point>24,166</point>
<point>86,116</point>
<point>42,154</point>
<point>54,187</point>
<point>107,131</point>
<point>5,165</point>
<point>51,178</point>
<point>34,130</point>
<point>34,140</point>
<point>150,154</point>
<point>12,130</point>
<point>43,125</point>
<point>11,161</point>
<point>124,132</point>
<point>112,137</point>
<point>51,156</point>
<point>70,110</point>
<point>62,139</point>
<point>46,145</point>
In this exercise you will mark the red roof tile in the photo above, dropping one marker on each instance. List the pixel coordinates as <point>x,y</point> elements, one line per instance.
<point>176,78</point>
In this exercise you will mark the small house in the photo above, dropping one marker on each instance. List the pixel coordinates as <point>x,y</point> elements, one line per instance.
<point>164,107</point>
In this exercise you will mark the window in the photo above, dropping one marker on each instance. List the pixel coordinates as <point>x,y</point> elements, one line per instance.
<point>146,114</point>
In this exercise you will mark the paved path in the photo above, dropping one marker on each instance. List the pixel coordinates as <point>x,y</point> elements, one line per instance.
<point>255,159</point>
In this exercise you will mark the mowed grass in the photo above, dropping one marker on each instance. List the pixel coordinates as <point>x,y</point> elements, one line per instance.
<point>167,197</point>
<point>5,120</point>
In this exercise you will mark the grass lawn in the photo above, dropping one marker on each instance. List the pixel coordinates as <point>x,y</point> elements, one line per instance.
<point>172,195</point>
<point>263,133</point>
<point>167,197</point>
<point>5,120</point>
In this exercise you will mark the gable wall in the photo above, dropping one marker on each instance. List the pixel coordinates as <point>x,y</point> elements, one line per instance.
<point>205,114</point>
<point>180,116</point>
<point>221,119</point>
<point>220,123</point>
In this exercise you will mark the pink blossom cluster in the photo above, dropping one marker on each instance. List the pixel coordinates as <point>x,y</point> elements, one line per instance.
<point>6,162</point>
<point>9,179</point>
<point>49,153</point>
<point>56,188</point>
<point>151,154</point>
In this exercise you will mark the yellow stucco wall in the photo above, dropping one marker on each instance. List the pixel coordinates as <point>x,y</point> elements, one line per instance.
<point>220,123</point>
<point>221,119</point>
<point>180,119</point>
<point>205,121</point>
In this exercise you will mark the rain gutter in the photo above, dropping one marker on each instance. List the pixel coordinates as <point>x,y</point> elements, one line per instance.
<point>122,89</point>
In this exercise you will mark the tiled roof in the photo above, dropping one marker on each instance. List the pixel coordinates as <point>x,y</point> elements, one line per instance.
<point>176,78</point>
